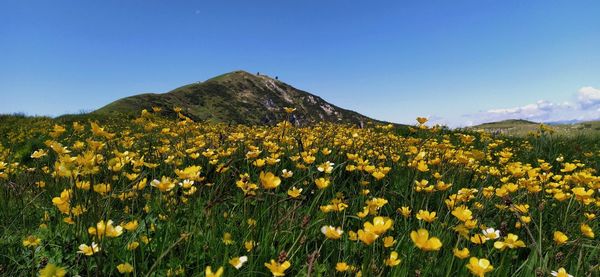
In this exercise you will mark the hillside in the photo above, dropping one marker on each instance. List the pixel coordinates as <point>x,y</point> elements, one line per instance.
<point>520,127</point>
<point>239,97</point>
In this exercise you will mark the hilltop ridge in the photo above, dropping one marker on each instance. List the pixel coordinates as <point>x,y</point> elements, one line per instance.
<point>239,97</point>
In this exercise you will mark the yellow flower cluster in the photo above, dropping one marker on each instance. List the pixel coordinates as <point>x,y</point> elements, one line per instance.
<point>168,197</point>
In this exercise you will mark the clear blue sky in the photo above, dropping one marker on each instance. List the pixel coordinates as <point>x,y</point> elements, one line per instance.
<point>392,60</point>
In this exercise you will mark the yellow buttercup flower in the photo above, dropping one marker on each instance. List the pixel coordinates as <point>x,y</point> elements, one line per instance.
<point>462,213</point>
<point>586,230</point>
<point>89,250</point>
<point>125,268</point>
<point>426,216</point>
<point>367,237</point>
<point>379,226</point>
<point>560,237</point>
<point>209,273</point>
<point>131,225</point>
<point>510,241</point>
<point>52,270</point>
<point>31,241</point>
<point>165,184</point>
<point>227,238</point>
<point>278,269</point>
<point>294,192</point>
<point>422,240</point>
<point>322,182</point>
<point>269,180</point>
<point>392,260</point>
<point>101,229</point>
<point>405,211</point>
<point>332,232</point>
<point>479,267</point>
<point>342,267</point>
<point>249,245</point>
<point>388,241</point>
<point>461,253</point>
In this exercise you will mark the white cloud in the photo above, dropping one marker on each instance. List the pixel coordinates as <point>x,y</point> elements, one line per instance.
<point>586,106</point>
<point>588,96</point>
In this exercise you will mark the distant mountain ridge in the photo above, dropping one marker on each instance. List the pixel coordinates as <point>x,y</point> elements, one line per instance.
<point>523,127</point>
<point>239,97</point>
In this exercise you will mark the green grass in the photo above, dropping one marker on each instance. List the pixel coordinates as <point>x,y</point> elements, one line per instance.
<point>286,228</point>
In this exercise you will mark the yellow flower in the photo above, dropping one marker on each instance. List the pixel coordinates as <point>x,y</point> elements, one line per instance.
<point>388,241</point>
<point>227,240</point>
<point>589,216</point>
<point>322,183</point>
<point>560,273</point>
<point>131,225</point>
<point>510,241</point>
<point>479,267</point>
<point>422,166</point>
<point>342,267</point>
<point>269,180</point>
<point>379,226</point>
<point>39,153</point>
<point>426,216</point>
<point>238,262</point>
<point>392,260</point>
<point>367,237</point>
<point>461,253</point>
<point>332,232</point>
<point>259,163</point>
<point>249,245</point>
<point>326,167</point>
<point>378,175</point>
<point>278,269</point>
<point>405,211</point>
<point>31,241</point>
<point>51,270</point>
<point>133,245</point>
<point>209,273</point>
<point>421,240</point>
<point>568,167</point>
<point>165,184</point>
<point>586,230</point>
<point>294,192</point>
<point>289,110</point>
<point>479,239</point>
<point>125,268</point>
<point>102,188</point>
<point>560,237</point>
<point>353,236</point>
<point>462,213</point>
<point>89,250</point>
<point>422,120</point>
<point>190,172</point>
<point>107,229</point>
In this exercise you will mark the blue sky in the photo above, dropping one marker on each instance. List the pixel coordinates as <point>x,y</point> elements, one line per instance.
<point>458,62</point>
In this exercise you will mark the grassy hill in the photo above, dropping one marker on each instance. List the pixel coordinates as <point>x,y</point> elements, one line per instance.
<point>519,127</point>
<point>238,97</point>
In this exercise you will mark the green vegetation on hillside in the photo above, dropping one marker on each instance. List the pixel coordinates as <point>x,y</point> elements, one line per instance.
<point>166,196</point>
<point>238,97</point>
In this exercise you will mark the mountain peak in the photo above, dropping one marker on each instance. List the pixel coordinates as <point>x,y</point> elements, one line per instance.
<point>239,97</point>
<point>240,76</point>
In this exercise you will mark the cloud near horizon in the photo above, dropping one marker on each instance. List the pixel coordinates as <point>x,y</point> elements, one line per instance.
<point>585,106</point>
